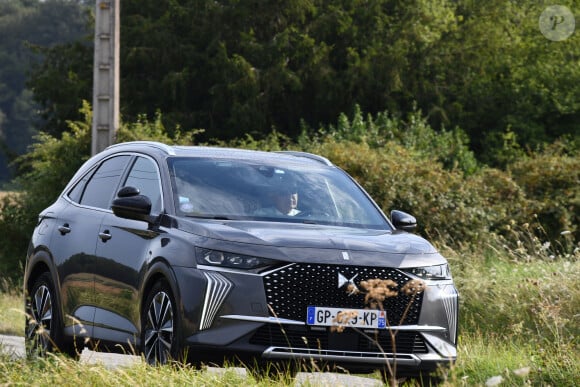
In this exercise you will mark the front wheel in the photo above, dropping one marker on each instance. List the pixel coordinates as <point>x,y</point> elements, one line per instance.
<point>159,322</point>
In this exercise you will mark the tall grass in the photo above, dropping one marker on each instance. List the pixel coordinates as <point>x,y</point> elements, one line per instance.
<point>62,371</point>
<point>519,318</point>
<point>11,309</point>
<point>520,314</point>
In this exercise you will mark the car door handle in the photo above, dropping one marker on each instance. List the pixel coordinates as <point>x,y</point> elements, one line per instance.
<point>105,235</point>
<point>64,229</point>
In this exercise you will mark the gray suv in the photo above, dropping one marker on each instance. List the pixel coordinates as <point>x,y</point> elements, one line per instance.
<point>209,254</point>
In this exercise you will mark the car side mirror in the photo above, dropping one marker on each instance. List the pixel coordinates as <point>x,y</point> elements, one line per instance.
<point>403,221</point>
<point>130,204</point>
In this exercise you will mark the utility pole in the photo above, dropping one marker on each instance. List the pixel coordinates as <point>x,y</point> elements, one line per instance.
<point>106,75</point>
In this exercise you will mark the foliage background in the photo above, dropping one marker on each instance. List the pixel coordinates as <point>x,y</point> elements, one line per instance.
<point>403,164</point>
<point>28,29</point>
<point>457,111</point>
<point>481,69</point>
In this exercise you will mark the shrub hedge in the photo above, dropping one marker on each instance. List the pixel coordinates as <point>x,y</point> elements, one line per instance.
<point>456,202</point>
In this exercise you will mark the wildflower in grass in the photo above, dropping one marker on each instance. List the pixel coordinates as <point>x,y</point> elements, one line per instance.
<point>351,289</point>
<point>342,319</point>
<point>546,246</point>
<point>377,291</point>
<point>522,372</point>
<point>494,381</point>
<point>414,287</point>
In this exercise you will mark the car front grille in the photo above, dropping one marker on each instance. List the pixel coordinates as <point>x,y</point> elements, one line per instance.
<point>291,289</point>
<point>348,340</point>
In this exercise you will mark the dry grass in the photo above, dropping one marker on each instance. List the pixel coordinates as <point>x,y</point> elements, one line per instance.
<point>4,194</point>
<point>11,312</point>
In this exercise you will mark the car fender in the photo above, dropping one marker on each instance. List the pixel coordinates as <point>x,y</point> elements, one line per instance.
<point>159,268</point>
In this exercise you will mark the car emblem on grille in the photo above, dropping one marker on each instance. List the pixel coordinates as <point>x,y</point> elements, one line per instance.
<point>342,281</point>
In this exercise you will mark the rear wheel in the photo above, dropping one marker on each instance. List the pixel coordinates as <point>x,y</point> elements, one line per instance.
<point>44,328</point>
<point>160,333</point>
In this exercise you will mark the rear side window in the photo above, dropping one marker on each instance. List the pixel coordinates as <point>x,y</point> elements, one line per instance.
<point>100,188</point>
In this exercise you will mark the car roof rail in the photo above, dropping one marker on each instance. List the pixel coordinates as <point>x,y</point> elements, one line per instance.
<point>307,155</point>
<point>155,144</point>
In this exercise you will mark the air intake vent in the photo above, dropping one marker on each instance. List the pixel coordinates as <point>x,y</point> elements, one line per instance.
<point>349,340</point>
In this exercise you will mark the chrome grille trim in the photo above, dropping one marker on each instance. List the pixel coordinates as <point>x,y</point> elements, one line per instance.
<point>274,320</point>
<point>449,297</point>
<point>216,292</point>
<point>339,356</point>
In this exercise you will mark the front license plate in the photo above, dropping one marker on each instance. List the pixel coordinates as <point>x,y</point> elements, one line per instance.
<point>357,318</point>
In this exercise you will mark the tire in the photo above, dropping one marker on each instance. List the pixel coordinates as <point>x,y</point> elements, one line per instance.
<point>160,334</point>
<point>44,328</point>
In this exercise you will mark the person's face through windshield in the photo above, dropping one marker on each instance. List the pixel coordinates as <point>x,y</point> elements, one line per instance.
<point>286,201</point>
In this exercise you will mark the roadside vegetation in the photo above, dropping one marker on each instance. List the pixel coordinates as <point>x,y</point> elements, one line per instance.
<point>11,309</point>
<point>519,322</point>
<point>511,236</point>
<point>455,76</point>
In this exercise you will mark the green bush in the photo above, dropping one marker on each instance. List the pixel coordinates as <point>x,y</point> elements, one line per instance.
<point>450,148</point>
<point>443,201</point>
<point>552,183</point>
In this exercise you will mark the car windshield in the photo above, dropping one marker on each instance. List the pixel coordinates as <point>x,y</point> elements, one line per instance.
<point>250,190</point>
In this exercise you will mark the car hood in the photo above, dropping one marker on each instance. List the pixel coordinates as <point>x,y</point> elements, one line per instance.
<point>313,242</point>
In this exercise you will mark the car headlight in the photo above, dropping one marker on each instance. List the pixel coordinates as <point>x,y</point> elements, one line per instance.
<point>225,259</point>
<point>436,272</point>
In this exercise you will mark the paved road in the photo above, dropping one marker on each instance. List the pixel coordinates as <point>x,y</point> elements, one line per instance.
<point>15,345</point>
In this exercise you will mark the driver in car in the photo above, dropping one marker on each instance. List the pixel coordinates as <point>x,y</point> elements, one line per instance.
<point>284,202</point>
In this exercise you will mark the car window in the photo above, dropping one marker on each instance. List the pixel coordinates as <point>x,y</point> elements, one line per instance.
<point>145,177</point>
<point>76,192</point>
<point>101,187</point>
<point>271,191</point>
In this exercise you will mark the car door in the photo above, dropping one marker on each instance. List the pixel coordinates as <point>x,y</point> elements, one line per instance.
<point>123,249</point>
<point>74,241</point>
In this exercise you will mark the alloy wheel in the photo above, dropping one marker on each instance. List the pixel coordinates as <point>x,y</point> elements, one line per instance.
<point>158,332</point>
<point>40,319</point>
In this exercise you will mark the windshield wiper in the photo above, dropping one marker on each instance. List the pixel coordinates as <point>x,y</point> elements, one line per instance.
<point>215,217</point>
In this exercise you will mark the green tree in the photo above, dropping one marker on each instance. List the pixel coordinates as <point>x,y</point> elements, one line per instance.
<point>26,23</point>
<point>237,67</point>
<point>64,65</point>
<point>501,75</point>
